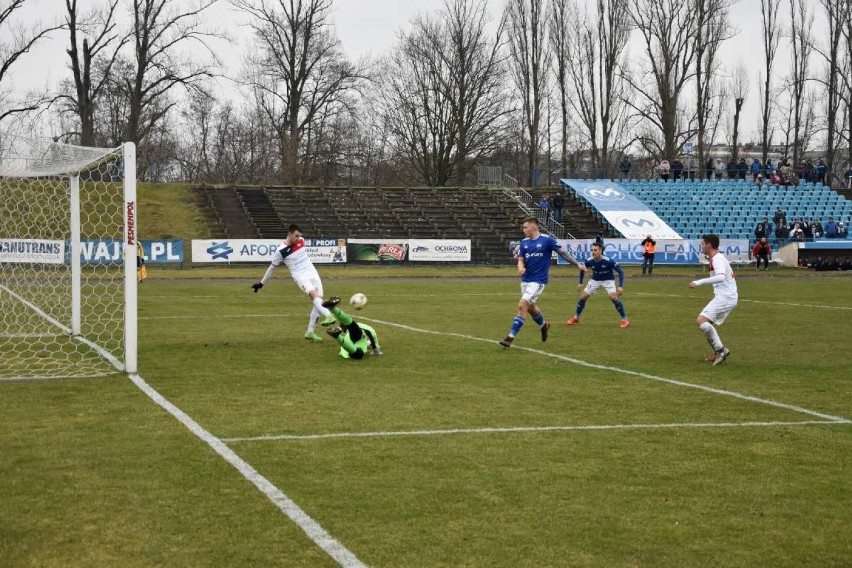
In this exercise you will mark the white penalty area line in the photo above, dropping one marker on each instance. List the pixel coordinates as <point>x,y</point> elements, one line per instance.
<point>523,429</point>
<point>821,306</point>
<point>582,363</point>
<point>311,528</point>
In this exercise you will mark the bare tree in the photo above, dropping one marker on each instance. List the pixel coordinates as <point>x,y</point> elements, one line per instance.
<point>838,13</point>
<point>527,24</point>
<point>161,28</point>
<point>770,10</point>
<point>91,69</point>
<point>739,90</point>
<point>443,92</point>
<point>667,29</point>
<point>801,41</point>
<point>17,40</point>
<point>298,73</point>
<point>596,74</point>
<point>560,30</point>
<point>711,29</point>
<point>846,78</point>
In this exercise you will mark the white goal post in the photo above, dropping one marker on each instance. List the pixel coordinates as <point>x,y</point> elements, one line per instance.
<point>68,238</point>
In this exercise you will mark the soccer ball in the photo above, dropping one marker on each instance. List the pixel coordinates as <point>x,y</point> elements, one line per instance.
<point>358,301</point>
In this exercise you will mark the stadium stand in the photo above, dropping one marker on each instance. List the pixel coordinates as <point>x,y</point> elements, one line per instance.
<point>483,215</point>
<point>731,208</point>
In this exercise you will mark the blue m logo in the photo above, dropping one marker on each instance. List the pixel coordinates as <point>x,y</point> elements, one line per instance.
<point>220,250</point>
<point>639,223</point>
<point>604,193</point>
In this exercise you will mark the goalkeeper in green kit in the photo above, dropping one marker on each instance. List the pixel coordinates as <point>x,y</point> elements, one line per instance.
<point>355,339</point>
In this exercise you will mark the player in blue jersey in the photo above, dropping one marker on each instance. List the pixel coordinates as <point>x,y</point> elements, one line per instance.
<point>534,257</point>
<point>603,269</point>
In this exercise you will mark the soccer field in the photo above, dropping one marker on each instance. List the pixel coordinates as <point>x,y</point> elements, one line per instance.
<point>601,447</point>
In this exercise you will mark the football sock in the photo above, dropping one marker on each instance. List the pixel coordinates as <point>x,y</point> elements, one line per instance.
<point>581,305</point>
<point>712,336</point>
<point>620,307</point>
<point>517,324</point>
<point>344,318</point>
<point>539,319</point>
<point>318,307</point>
<point>312,323</point>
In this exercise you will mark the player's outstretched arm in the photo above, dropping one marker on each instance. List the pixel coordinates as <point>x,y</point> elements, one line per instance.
<point>266,277</point>
<point>522,266</point>
<point>567,256</point>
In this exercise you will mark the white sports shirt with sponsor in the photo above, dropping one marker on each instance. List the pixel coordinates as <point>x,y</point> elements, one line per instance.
<point>727,288</point>
<point>296,258</point>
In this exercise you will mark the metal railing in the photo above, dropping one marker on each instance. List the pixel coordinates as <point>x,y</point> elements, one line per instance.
<point>530,207</point>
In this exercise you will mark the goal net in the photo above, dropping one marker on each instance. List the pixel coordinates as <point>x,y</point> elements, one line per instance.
<point>67,260</point>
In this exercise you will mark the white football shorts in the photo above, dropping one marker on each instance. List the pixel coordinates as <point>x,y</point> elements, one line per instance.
<point>530,291</point>
<point>308,284</point>
<point>594,285</point>
<point>718,310</point>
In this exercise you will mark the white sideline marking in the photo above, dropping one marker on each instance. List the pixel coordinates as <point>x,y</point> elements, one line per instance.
<point>67,330</point>
<point>512,429</point>
<point>626,372</point>
<point>310,527</point>
<point>751,301</point>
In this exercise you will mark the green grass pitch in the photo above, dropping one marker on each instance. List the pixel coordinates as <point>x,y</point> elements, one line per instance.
<point>573,452</point>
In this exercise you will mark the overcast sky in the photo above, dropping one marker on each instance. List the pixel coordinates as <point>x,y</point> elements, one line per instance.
<point>369,28</point>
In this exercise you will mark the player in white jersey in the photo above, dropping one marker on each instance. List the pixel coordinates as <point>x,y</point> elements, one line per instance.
<point>724,299</point>
<point>294,255</point>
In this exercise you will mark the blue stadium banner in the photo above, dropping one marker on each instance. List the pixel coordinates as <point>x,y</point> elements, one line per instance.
<point>630,217</point>
<point>110,251</point>
<point>163,251</point>
<point>668,251</point>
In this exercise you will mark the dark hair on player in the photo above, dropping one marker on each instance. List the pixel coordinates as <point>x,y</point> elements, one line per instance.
<point>531,219</point>
<point>711,239</point>
<point>600,246</point>
<point>294,227</point>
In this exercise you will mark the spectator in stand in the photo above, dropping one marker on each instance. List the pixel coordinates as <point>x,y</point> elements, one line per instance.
<point>708,169</point>
<point>782,232</point>
<point>664,168</point>
<point>625,166</point>
<point>819,171</point>
<point>719,169</point>
<point>732,169</point>
<point>787,173</point>
<point>759,181</point>
<point>842,230</point>
<point>775,178</point>
<point>848,177</point>
<point>756,168</point>
<point>544,205</point>
<point>762,251</point>
<point>742,169</point>
<point>796,233</point>
<point>558,205</point>
<point>831,229</point>
<point>779,217</point>
<point>768,168</point>
<point>648,250</point>
<point>816,229</point>
<point>677,169</point>
<point>762,229</point>
<point>806,228</point>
